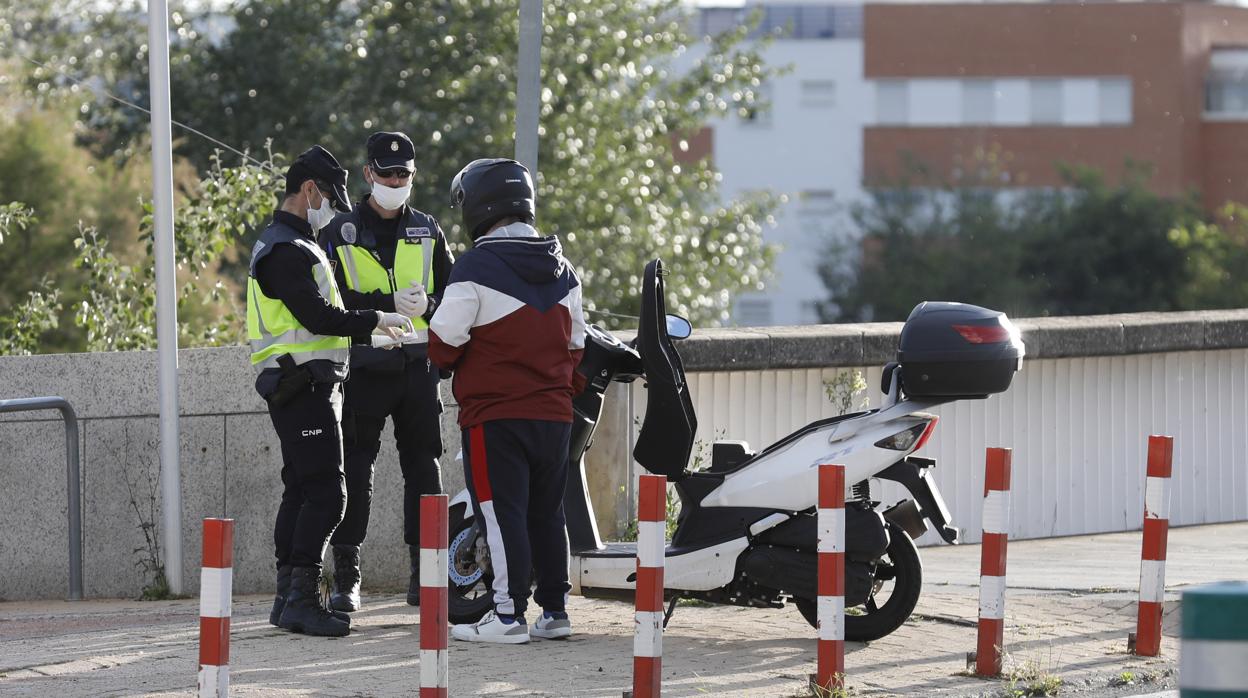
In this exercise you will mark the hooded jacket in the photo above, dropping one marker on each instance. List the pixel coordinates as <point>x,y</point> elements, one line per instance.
<point>511,327</point>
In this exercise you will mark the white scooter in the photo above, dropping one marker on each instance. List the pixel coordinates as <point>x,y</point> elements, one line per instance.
<point>746,531</point>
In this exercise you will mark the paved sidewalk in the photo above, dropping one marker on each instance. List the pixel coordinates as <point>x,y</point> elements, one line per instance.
<point>1066,618</point>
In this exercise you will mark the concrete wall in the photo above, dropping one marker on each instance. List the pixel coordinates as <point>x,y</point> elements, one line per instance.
<point>230,465</point>
<point>230,461</point>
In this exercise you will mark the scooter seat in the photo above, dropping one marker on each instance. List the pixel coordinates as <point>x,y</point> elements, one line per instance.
<point>727,455</point>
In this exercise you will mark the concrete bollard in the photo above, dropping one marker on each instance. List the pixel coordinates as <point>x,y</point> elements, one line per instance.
<point>1153,553</point>
<point>651,542</point>
<point>996,524</point>
<point>216,589</point>
<point>831,603</point>
<point>434,561</point>
<point>1213,649</point>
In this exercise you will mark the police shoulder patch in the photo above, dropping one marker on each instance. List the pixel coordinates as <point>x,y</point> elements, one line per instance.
<point>348,233</point>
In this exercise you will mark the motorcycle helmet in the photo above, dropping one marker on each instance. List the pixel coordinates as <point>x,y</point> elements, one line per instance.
<point>490,189</point>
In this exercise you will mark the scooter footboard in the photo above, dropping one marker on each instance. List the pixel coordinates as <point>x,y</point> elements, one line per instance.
<point>912,472</point>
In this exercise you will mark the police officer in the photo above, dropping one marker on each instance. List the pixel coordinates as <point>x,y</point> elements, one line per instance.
<point>389,257</point>
<point>299,334</point>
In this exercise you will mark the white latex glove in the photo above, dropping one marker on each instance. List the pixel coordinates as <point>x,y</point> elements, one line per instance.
<point>411,301</point>
<point>385,337</point>
<point>381,339</point>
<point>395,324</point>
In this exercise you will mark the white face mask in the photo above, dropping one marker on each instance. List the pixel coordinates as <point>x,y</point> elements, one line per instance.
<point>320,217</point>
<point>390,198</point>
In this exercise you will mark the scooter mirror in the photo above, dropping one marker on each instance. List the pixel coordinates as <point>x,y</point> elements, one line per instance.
<point>678,327</point>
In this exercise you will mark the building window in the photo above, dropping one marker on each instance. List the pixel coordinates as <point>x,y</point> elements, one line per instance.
<point>818,93</point>
<point>713,21</point>
<point>1081,102</point>
<point>1011,102</point>
<point>1226,86</point>
<point>807,20</point>
<point>1226,98</point>
<point>753,312</point>
<point>816,203</point>
<point>1046,102</point>
<point>1003,101</point>
<point>978,101</point>
<point>1115,96</point>
<point>892,102</point>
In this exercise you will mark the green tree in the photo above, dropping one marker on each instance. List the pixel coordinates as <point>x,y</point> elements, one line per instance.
<point>1216,255</point>
<point>1102,248</point>
<point>62,184</point>
<point>73,51</point>
<point>294,72</point>
<point>119,311</point>
<point>1088,247</point>
<point>23,326</point>
<point>922,239</point>
<point>613,111</point>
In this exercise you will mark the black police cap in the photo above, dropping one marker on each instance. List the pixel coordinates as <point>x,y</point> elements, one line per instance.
<point>318,164</point>
<point>387,149</point>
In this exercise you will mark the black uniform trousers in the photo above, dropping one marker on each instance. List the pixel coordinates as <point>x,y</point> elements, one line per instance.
<point>314,493</point>
<point>409,396</point>
<point>516,471</point>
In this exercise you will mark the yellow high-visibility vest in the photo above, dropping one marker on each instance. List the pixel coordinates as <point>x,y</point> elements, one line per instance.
<point>365,274</point>
<point>272,330</point>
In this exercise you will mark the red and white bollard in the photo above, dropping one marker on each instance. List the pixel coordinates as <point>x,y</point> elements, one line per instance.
<point>1153,554</point>
<point>216,588</point>
<point>651,541</point>
<point>434,530</point>
<point>831,603</point>
<point>988,650</point>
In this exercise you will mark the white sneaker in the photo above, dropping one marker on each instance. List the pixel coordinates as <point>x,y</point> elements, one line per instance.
<point>550,627</point>
<point>491,628</point>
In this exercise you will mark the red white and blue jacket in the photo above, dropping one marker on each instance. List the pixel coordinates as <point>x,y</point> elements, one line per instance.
<point>511,327</point>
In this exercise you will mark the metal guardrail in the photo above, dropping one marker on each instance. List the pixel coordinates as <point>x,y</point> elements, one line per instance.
<point>73,486</point>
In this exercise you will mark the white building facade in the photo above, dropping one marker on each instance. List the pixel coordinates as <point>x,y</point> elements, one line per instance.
<point>807,146</point>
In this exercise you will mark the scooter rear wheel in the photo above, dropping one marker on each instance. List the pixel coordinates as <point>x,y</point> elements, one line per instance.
<point>901,566</point>
<point>470,575</point>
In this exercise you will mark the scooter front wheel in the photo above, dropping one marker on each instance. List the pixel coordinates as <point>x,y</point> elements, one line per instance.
<point>469,574</point>
<point>899,575</point>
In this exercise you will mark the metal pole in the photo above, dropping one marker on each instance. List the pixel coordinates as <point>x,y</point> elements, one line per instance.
<point>528,84</point>
<point>73,482</point>
<point>630,486</point>
<point>166,304</point>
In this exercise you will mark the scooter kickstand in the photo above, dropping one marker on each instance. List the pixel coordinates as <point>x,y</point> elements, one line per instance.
<point>671,608</point>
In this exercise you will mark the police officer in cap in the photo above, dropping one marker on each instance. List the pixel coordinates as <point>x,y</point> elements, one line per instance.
<point>389,257</point>
<point>300,334</point>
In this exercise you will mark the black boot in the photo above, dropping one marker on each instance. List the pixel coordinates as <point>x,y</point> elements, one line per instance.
<point>346,594</point>
<point>283,588</point>
<point>303,612</point>
<point>413,582</point>
<point>279,600</point>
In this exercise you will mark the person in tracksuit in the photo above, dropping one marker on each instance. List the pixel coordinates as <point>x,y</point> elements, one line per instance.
<point>391,257</point>
<point>511,327</point>
<point>300,334</point>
